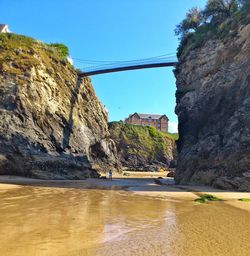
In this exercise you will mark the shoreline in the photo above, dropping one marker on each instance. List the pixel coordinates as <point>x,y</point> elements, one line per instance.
<point>166,190</point>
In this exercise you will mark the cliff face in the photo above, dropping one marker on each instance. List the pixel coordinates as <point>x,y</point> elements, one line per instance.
<point>142,148</point>
<point>213,107</point>
<point>52,125</point>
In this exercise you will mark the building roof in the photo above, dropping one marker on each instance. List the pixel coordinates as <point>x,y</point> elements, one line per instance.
<point>2,26</point>
<point>148,116</point>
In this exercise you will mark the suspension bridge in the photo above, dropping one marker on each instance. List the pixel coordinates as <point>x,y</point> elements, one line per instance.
<point>95,67</point>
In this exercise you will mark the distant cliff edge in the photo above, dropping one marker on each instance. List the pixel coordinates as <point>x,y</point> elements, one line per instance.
<point>143,147</point>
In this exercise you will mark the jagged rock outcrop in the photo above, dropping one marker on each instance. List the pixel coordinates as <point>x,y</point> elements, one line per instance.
<point>142,147</point>
<point>213,107</point>
<point>52,125</point>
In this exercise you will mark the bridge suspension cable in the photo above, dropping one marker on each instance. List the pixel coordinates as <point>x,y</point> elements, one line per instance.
<point>91,67</point>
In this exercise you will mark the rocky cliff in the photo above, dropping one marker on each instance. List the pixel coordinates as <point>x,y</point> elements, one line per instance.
<point>52,124</point>
<point>213,107</point>
<point>142,147</point>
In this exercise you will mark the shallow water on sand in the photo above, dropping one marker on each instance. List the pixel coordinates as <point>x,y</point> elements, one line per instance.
<point>36,221</point>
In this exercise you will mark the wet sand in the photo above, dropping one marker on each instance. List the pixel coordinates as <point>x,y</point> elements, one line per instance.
<point>140,186</point>
<point>127,217</point>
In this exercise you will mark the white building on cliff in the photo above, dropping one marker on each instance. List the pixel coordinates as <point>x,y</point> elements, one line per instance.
<point>4,28</point>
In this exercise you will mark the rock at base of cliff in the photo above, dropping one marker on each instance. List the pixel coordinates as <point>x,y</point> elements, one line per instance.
<point>236,183</point>
<point>46,167</point>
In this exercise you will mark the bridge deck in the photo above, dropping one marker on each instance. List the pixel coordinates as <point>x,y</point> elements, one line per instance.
<point>125,68</point>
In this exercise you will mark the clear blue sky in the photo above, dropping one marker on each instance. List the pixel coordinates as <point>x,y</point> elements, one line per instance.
<point>111,30</point>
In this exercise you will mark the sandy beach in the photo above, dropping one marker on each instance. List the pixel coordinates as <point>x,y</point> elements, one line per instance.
<point>102,217</point>
<point>145,185</point>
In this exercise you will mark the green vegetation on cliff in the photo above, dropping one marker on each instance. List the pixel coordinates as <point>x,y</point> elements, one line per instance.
<point>61,49</point>
<point>216,21</point>
<point>139,146</point>
<point>20,53</point>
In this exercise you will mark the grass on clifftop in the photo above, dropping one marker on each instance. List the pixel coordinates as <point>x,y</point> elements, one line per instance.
<point>20,53</point>
<point>209,30</point>
<point>148,129</point>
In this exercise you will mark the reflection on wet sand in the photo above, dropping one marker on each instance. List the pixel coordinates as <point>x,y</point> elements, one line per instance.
<point>62,221</point>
